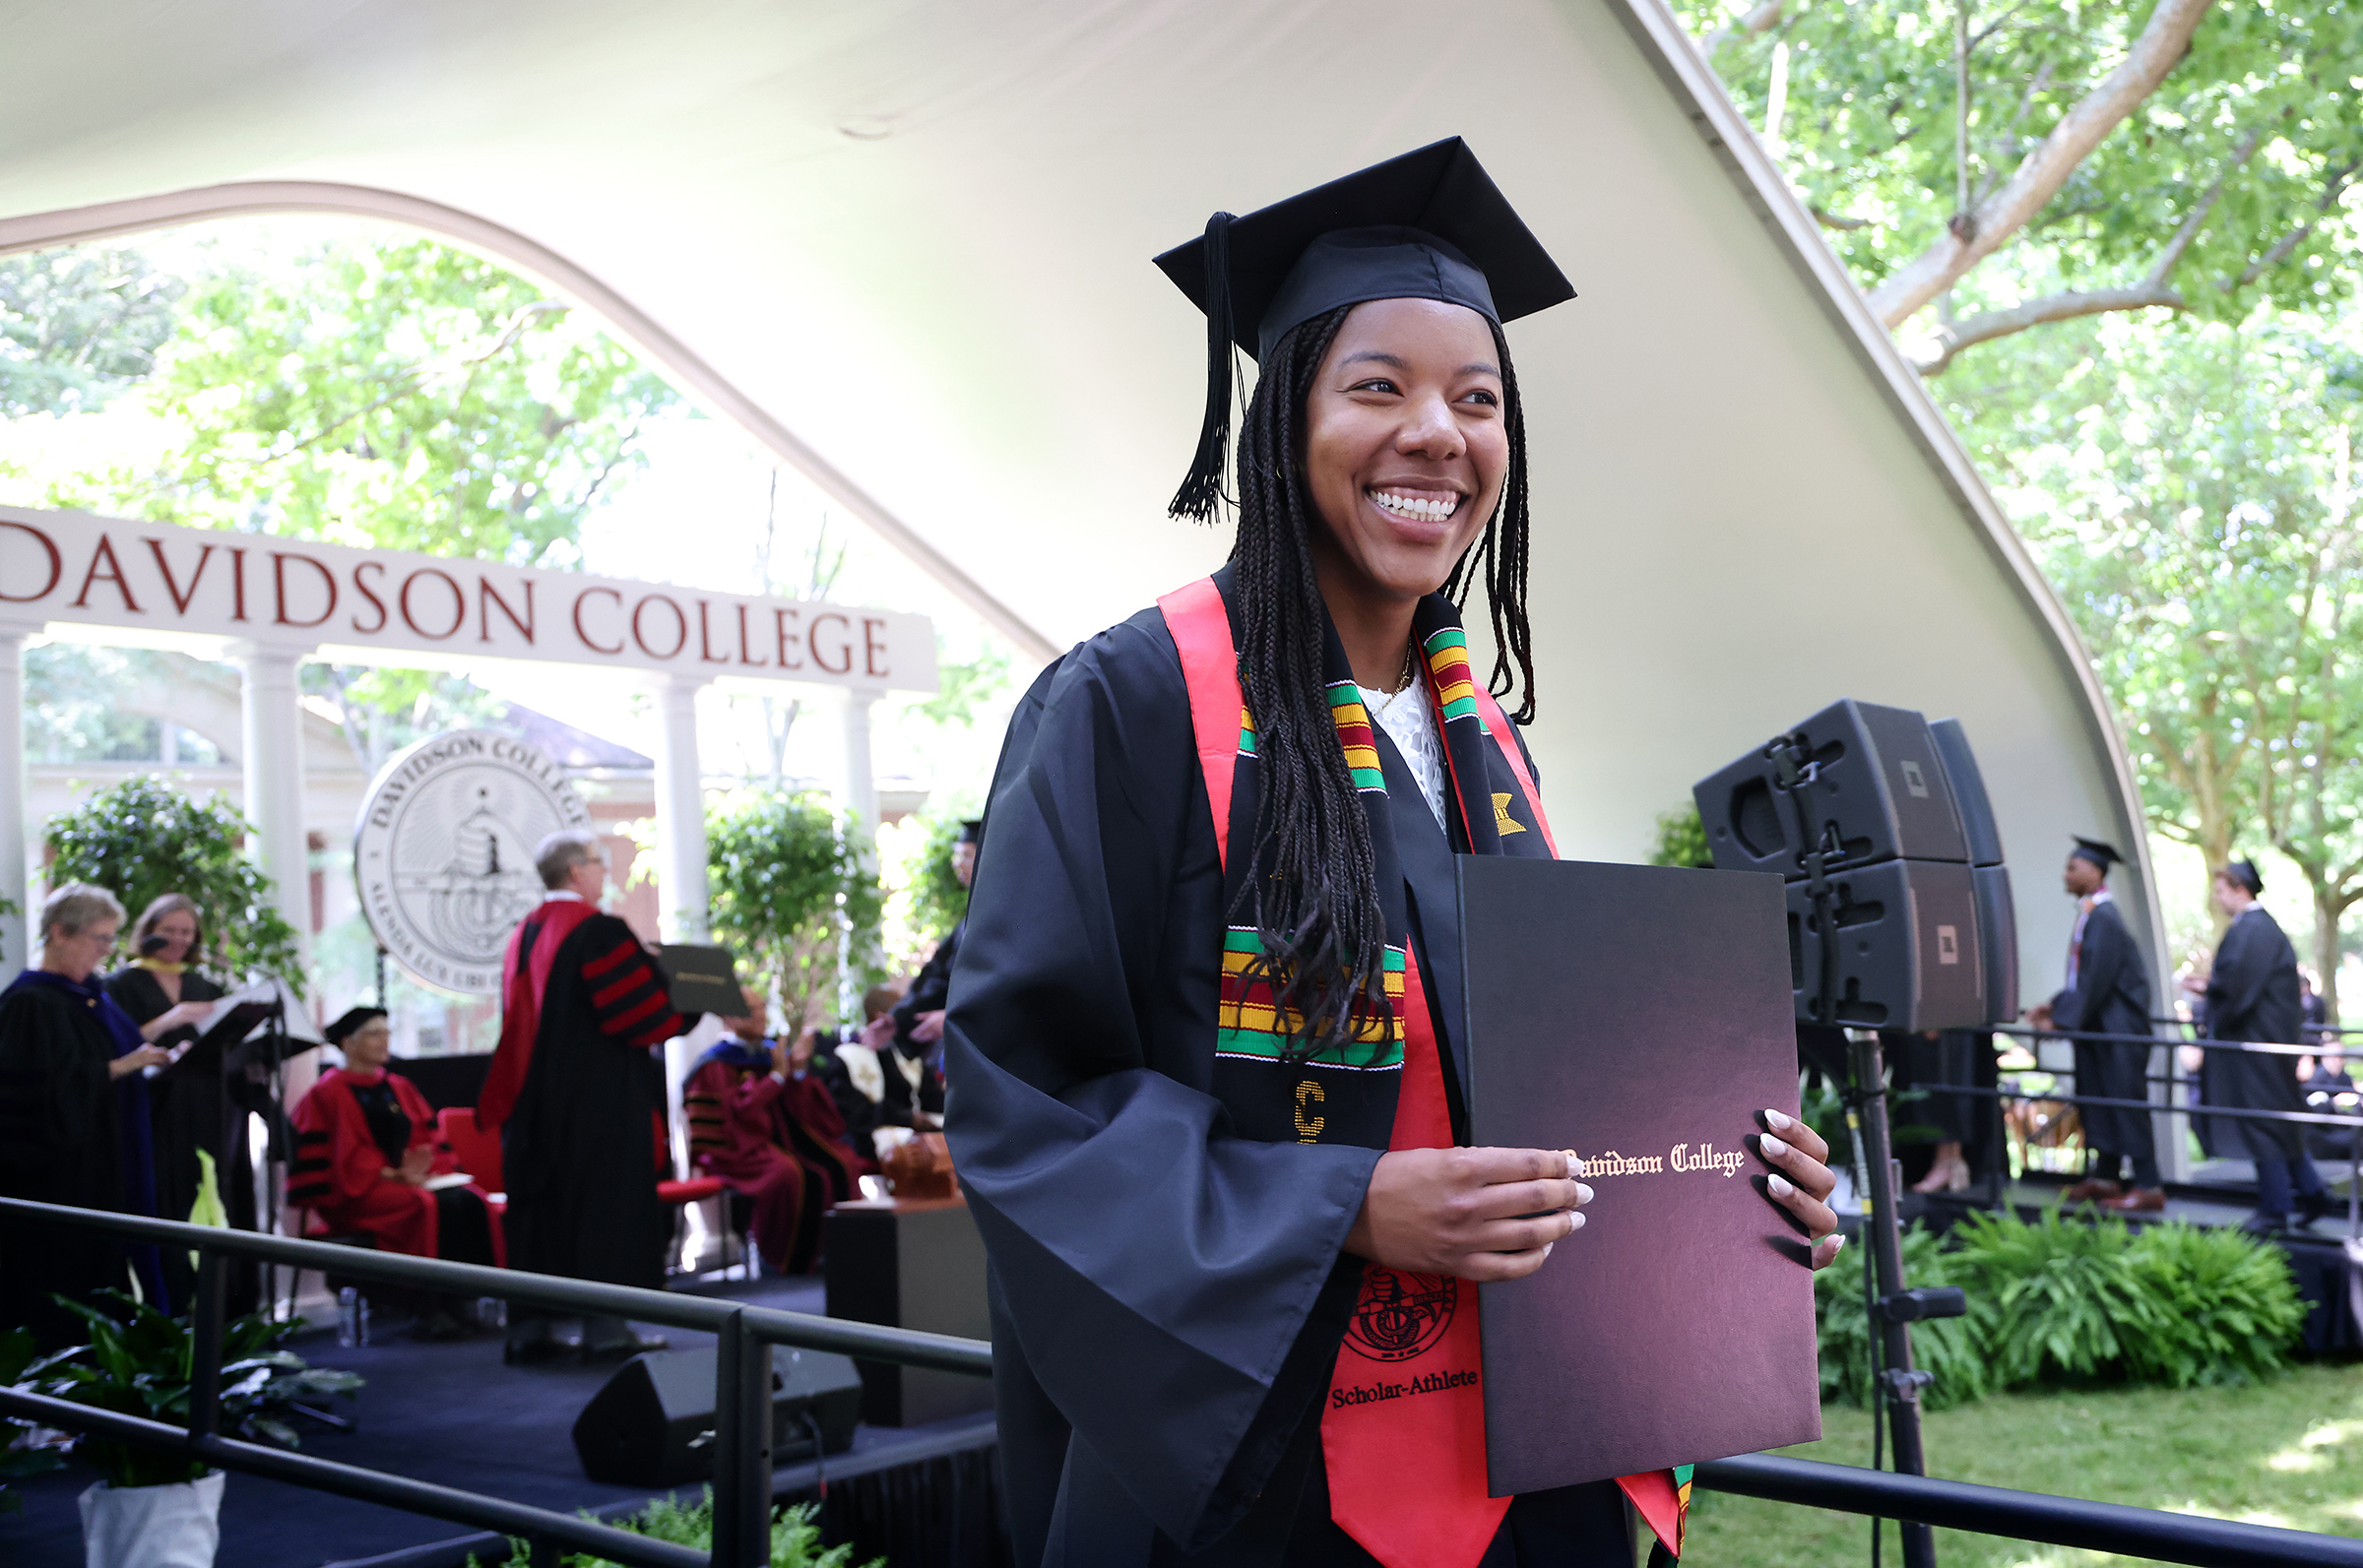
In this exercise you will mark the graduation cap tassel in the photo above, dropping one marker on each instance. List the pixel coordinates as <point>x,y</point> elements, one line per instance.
<point>1201,492</point>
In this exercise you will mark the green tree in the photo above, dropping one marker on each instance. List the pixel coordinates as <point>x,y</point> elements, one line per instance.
<point>935,901</point>
<point>1681,840</point>
<point>402,394</point>
<point>793,893</point>
<point>143,838</point>
<point>2016,164</point>
<point>78,326</point>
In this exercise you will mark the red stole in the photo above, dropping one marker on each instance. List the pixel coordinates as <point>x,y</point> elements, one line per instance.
<point>525,980</point>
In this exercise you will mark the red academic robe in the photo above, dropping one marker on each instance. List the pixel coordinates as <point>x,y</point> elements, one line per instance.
<point>339,1168</point>
<point>780,1142</point>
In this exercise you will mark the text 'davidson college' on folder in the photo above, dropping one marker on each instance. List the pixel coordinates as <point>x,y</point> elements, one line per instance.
<point>1643,1017</point>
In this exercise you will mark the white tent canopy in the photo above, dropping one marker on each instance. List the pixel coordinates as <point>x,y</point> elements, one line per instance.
<point>907,246</point>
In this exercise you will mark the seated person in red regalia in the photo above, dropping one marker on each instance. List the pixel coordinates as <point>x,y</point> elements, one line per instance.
<point>365,1151</point>
<point>764,1122</point>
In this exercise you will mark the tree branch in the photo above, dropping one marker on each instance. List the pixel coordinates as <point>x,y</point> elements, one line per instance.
<point>2339,180</point>
<point>1974,235</point>
<point>2049,308</point>
<point>1763,18</point>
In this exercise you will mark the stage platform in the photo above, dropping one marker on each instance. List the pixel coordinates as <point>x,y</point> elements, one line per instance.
<point>453,1413</point>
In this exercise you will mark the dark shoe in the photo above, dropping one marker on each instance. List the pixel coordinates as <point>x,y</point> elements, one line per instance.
<point>2141,1200</point>
<point>623,1349</point>
<point>2093,1189</point>
<point>2266,1224</point>
<point>2312,1206</point>
<point>534,1352</point>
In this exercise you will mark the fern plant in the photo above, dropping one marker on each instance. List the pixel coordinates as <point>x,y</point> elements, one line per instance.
<point>2225,1307</point>
<point>1948,1349</point>
<point>794,1536</point>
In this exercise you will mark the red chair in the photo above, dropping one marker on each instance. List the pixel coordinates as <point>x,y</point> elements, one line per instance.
<point>477,1151</point>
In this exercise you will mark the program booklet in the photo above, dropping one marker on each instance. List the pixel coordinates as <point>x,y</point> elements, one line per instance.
<point>1641,1016</point>
<point>701,979</point>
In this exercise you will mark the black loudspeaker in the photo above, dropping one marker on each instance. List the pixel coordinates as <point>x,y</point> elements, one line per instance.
<point>653,1424</point>
<point>1878,782</point>
<point>1997,915</point>
<point>1908,950</point>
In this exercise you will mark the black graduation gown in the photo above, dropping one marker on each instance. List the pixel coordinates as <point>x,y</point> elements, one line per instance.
<point>1167,1296</point>
<point>579,1149</point>
<point>190,1113</point>
<point>931,989</point>
<point>2111,996</point>
<point>2253,995</point>
<point>60,1141</point>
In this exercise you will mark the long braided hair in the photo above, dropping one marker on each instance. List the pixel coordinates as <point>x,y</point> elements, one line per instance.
<point>1313,897</point>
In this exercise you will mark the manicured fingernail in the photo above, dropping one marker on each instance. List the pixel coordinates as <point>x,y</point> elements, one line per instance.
<point>1837,1244</point>
<point>1547,1246</point>
<point>1578,1223</point>
<point>1778,1185</point>
<point>1777,1121</point>
<point>1575,1162</point>
<point>1773,1147</point>
<point>1583,1192</point>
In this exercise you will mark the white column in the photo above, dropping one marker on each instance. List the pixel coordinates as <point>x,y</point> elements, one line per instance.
<point>680,813</point>
<point>860,784</point>
<point>272,714</point>
<point>14,948</point>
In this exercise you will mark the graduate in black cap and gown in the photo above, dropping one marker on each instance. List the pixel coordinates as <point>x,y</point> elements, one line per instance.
<point>2251,995</point>
<point>1204,1053</point>
<point>2107,993</point>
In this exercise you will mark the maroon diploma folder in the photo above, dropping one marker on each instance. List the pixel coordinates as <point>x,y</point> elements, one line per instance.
<point>1643,1017</point>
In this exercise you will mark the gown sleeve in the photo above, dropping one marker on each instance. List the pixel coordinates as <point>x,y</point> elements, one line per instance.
<point>1149,1259</point>
<point>2107,946</point>
<point>2236,980</point>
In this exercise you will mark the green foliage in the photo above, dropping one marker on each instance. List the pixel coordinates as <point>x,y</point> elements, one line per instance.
<point>143,838</point>
<point>1873,116</point>
<point>2061,1302</point>
<point>936,902</point>
<point>794,1536</point>
<point>395,393</point>
<point>966,687</point>
<point>1947,1347</point>
<point>789,887</point>
<point>76,696</point>
<point>1681,840</point>
<point>137,1362</point>
<point>79,326</point>
<point>19,1462</point>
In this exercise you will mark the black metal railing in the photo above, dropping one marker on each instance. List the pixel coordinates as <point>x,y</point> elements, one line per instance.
<point>744,1338</point>
<point>743,1467</point>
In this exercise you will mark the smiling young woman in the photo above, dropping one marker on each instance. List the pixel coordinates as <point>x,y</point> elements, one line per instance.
<point>1204,1053</point>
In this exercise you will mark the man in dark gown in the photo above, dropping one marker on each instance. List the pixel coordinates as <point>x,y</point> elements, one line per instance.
<point>2107,993</point>
<point>577,1090</point>
<point>2253,995</point>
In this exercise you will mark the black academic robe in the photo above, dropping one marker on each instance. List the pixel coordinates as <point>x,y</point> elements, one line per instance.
<point>60,1141</point>
<point>581,1150</point>
<point>2251,995</point>
<point>188,1113</point>
<point>2111,996</point>
<point>930,990</point>
<point>1168,1296</point>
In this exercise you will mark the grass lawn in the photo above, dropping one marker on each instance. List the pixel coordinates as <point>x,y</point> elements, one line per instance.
<point>2290,1452</point>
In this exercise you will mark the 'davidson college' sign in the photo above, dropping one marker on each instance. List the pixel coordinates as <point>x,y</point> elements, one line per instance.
<point>380,605</point>
<point>444,851</point>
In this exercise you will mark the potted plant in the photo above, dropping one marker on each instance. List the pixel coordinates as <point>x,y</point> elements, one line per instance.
<point>151,1508</point>
<point>22,1453</point>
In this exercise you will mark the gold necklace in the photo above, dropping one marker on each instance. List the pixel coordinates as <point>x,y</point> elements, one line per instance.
<point>1402,682</point>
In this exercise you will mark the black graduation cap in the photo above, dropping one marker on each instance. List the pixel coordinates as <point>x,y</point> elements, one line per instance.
<point>970,830</point>
<point>2245,873</point>
<point>350,1022</point>
<point>2103,855</point>
<point>1429,225</point>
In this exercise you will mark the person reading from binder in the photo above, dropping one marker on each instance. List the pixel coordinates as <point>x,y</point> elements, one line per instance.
<point>2107,992</point>
<point>368,1160</point>
<point>167,993</point>
<point>1205,1064</point>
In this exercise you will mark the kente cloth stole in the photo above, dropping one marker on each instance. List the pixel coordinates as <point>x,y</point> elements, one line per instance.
<point>1403,1423</point>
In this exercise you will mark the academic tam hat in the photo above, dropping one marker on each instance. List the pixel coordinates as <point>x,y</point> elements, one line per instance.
<point>1429,225</point>
<point>2103,855</point>
<point>349,1022</point>
<point>970,830</point>
<point>2245,873</point>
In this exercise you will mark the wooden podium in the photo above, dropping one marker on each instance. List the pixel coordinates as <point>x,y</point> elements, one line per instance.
<point>917,1264</point>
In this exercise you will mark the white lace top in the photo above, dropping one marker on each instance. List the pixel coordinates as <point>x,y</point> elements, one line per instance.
<point>1409,719</point>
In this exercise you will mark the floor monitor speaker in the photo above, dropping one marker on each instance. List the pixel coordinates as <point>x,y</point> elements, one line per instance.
<point>653,1424</point>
